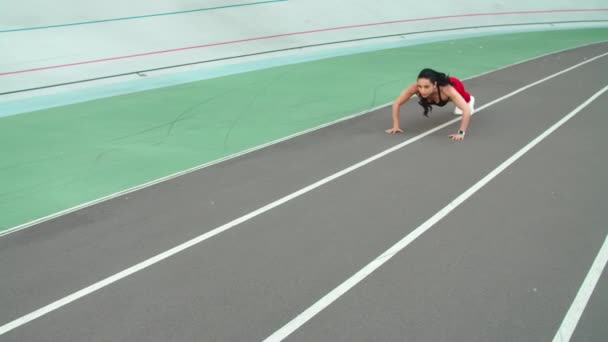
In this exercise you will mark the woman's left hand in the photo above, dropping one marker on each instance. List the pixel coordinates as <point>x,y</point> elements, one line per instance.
<point>456,136</point>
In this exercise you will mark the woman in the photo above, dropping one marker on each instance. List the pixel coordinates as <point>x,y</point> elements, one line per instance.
<point>436,88</point>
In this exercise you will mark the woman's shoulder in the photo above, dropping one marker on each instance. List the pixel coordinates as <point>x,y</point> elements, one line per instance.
<point>446,89</point>
<point>454,80</point>
<point>412,88</point>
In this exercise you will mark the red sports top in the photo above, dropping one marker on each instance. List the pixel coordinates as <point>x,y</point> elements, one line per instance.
<point>457,84</point>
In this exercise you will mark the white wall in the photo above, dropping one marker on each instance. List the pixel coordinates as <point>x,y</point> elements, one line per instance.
<point>236,30</point>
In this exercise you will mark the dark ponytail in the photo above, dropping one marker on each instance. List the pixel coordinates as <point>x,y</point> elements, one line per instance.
<point>434,77</point>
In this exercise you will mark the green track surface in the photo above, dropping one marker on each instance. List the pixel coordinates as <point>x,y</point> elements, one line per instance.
<point>59,158</point>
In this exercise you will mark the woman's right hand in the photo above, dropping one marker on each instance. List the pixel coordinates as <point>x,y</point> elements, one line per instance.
<point>394,130</point>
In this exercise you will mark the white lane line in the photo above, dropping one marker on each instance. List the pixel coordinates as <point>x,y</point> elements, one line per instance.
<point>217,161</point>
<point>336,293</point>
<point>566,329</point>
<point>142,265</point>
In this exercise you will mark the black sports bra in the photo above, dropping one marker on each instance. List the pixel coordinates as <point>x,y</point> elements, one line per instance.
<point>440,103</point>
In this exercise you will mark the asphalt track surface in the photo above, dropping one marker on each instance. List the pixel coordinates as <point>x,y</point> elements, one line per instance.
<point>500,260</point>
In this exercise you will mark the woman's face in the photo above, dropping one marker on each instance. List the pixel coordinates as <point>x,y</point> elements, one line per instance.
<point>425,87</point>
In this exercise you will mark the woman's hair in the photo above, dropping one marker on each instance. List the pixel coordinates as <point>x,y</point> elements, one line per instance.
<point>435,77</point>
